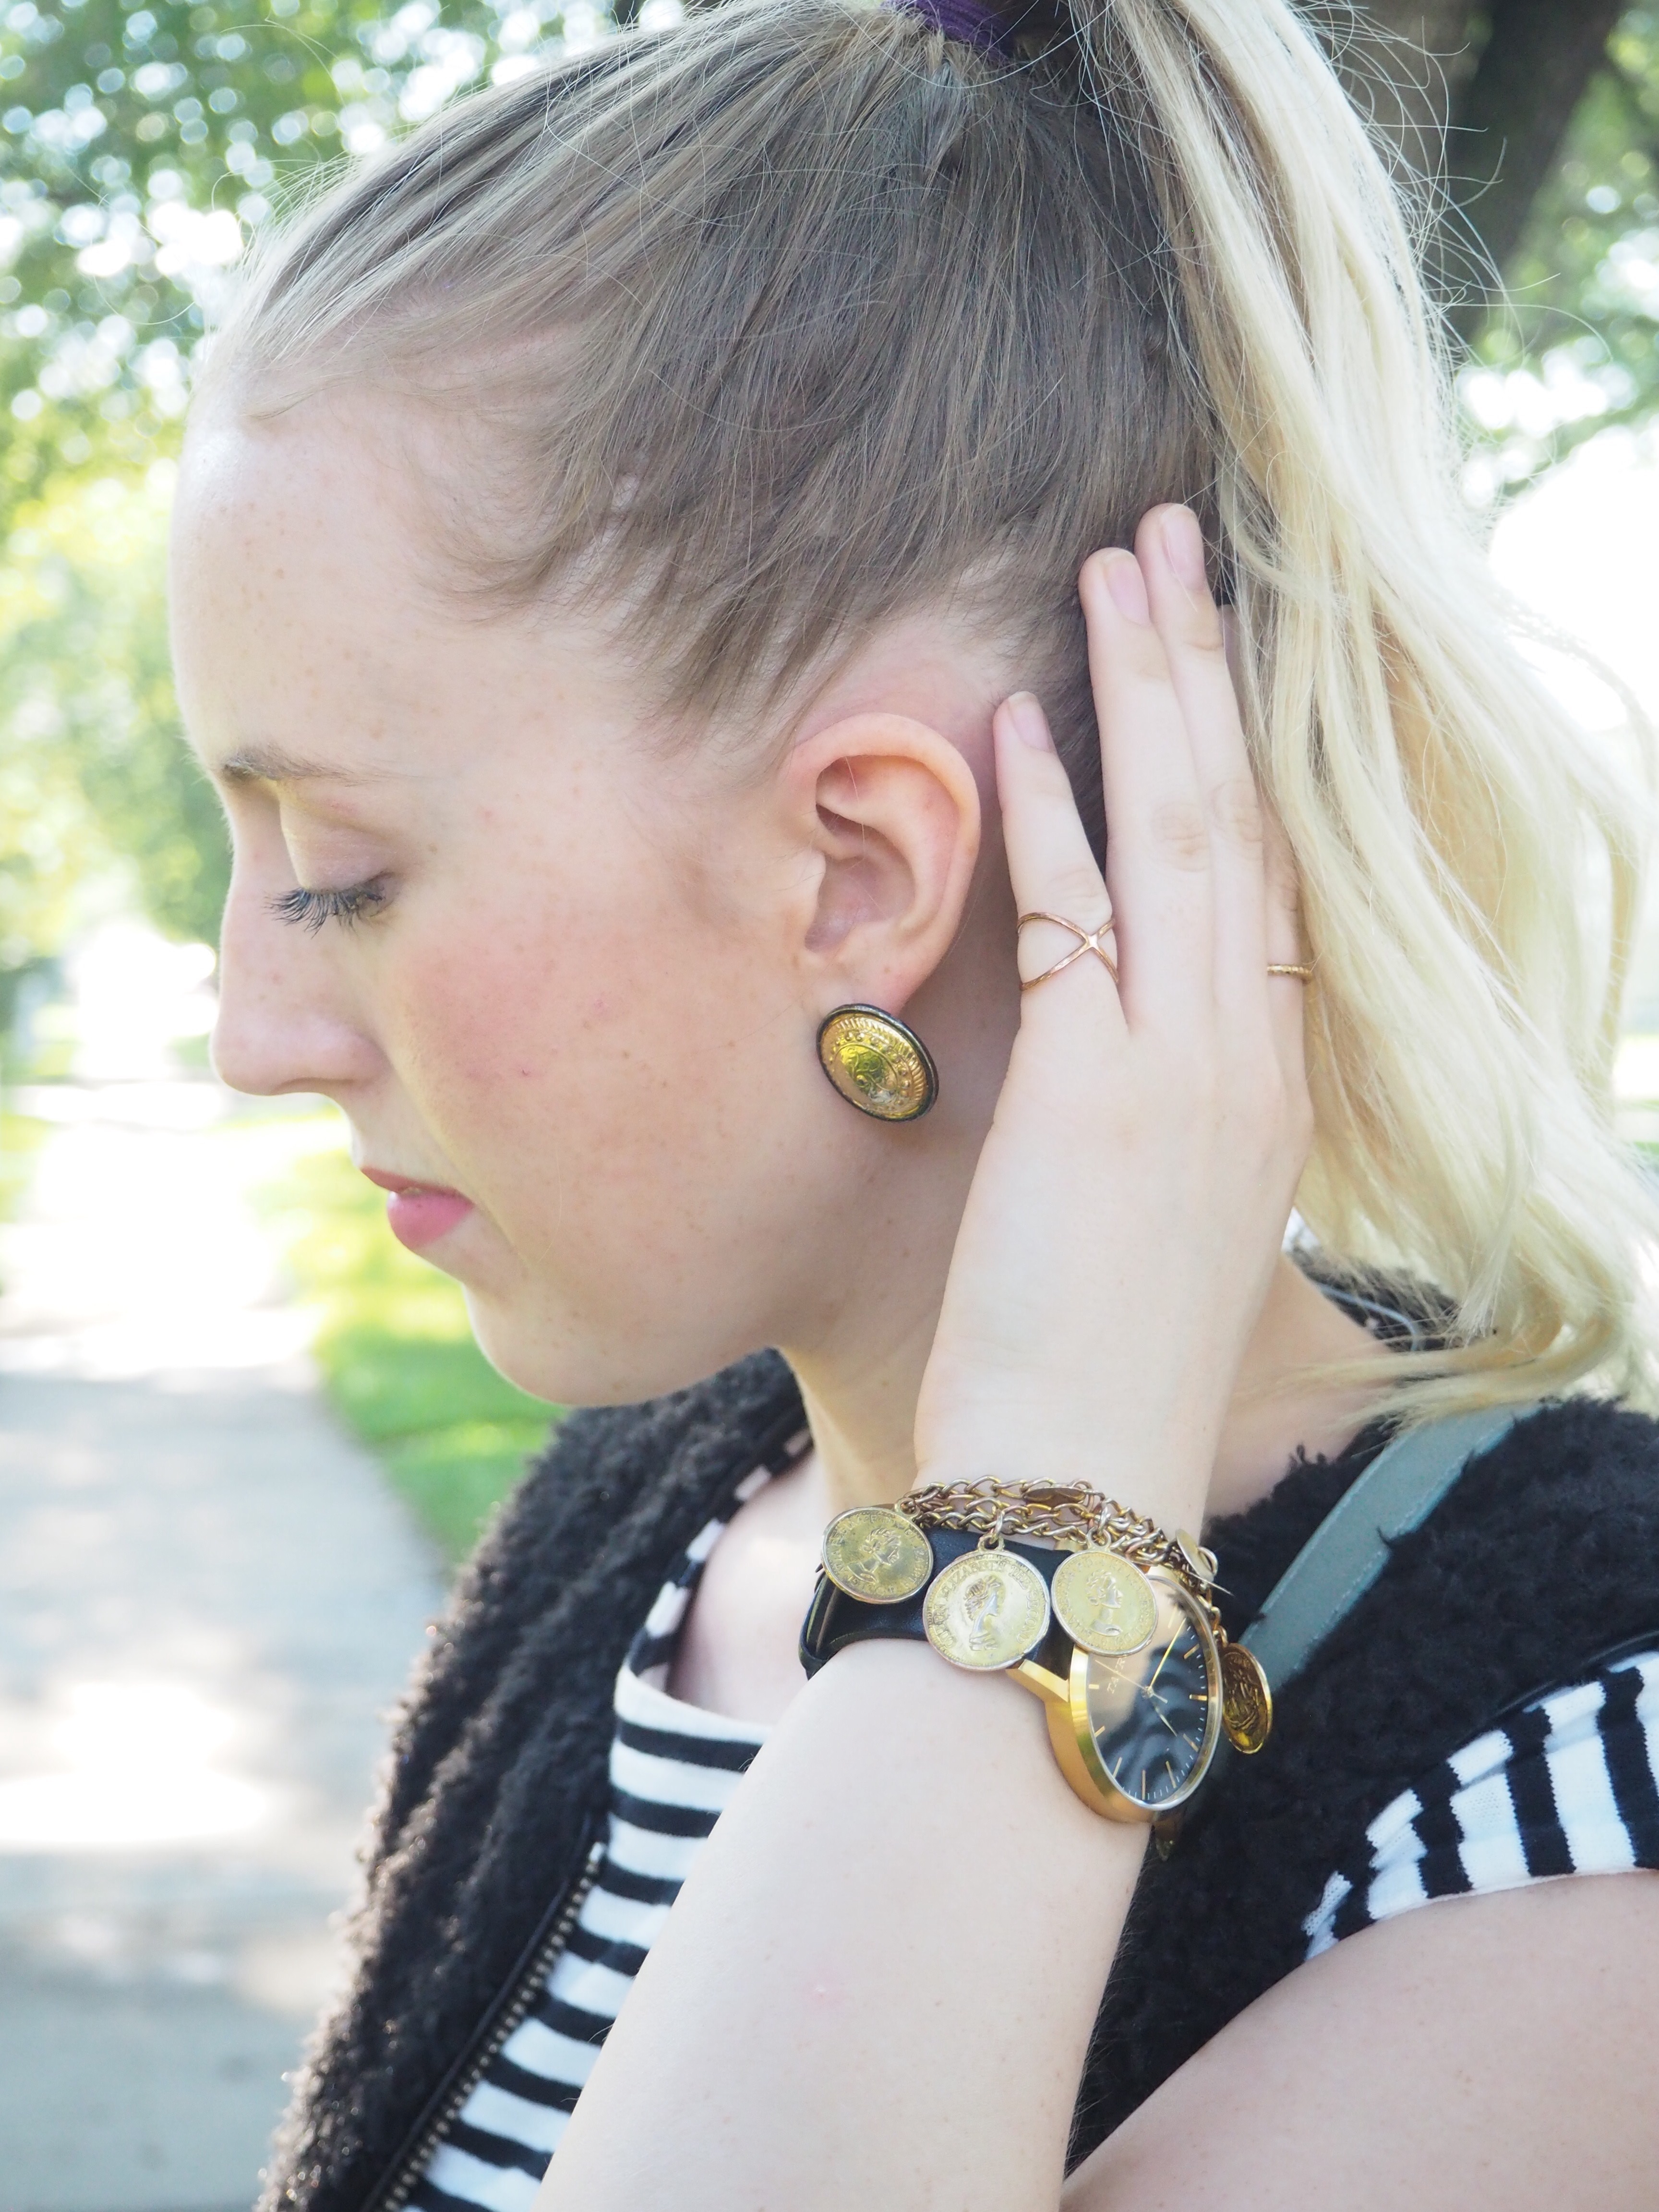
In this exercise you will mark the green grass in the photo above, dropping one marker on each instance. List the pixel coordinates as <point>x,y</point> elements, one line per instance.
<point>397,1358</point>
<point>20,1138</point>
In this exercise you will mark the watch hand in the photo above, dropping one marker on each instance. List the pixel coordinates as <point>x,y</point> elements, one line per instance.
<point>1158,1669</point>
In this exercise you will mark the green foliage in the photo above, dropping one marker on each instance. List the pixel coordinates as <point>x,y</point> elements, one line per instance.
<point>92,763</point>
<point>20,1138</point>
<point>141,146</point>
<point>50,843</point>
<point>1576,347</point>
<point>397,1359</point>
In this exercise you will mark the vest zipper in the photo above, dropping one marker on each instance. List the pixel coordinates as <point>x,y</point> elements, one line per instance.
<point>500,2023</point>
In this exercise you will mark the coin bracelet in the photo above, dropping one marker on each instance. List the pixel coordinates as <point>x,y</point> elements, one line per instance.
<point>988,1609</point>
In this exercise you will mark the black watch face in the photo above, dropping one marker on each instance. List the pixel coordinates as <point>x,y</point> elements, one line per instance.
<point>1153,1717</point>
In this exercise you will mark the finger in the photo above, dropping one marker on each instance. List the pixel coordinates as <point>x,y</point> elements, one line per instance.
<point>1157,844</point>
<point>1170,546</point>
<point>1050,864</point>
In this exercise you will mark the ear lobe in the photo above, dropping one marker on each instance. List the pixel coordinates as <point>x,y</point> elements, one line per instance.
<point>895,827</point>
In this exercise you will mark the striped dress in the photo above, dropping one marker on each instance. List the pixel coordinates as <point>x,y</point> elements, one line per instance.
<point>1570,1784</point>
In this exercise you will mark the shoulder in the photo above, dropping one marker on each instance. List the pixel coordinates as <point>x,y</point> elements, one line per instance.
<point>1542,1558</point>
<point>1545,1554</point>
<point>1567,1442</point>
<point>1561,1784</point>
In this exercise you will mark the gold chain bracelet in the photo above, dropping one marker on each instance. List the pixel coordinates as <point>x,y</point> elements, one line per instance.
<point>1067,1514</point>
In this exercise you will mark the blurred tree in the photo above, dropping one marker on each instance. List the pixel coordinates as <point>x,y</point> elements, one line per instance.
<point>50,843</point>
<point>1479,93</point>
<point>1539,122</point>
<point>1575,348</point>
<point>140,145</point>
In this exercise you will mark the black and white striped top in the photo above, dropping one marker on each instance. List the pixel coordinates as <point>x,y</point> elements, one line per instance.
<point>1568,1785</point>
<point>673,1769</point>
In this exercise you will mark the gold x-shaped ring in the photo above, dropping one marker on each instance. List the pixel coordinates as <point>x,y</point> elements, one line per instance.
<point>1089,941</point>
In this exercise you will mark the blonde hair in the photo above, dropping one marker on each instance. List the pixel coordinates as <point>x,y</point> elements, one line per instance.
<point>801,316</point>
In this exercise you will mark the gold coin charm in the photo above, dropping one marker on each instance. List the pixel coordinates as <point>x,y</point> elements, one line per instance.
<point>1104,1603</point>
<point>874,1553</point>
<point>986,1610</point>
<point>1247,1703</point>
<point>876,1064</point>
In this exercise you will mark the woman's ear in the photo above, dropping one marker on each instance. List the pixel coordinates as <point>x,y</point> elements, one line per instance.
<point>890,812</point>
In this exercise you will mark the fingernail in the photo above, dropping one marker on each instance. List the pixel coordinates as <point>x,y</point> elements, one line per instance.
<point>1030,723</point>
<point>1183,542</point>
<point>1128,587</point>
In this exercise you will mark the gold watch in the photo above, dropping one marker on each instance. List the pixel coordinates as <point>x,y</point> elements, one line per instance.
<point>1108,1619</point>
<point>1134,1732</point>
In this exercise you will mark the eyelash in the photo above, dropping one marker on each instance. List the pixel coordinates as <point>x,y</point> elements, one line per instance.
<point>311,910</point>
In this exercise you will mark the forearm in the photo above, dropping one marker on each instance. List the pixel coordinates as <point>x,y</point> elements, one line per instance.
<point>877,1985</point>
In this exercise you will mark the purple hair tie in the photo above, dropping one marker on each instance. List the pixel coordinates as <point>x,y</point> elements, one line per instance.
<point>969,21</point>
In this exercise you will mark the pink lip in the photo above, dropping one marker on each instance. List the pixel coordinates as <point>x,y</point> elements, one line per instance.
<point>419,1213</point>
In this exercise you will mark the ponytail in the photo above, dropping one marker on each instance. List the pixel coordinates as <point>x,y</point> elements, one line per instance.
<point>1450,829</point>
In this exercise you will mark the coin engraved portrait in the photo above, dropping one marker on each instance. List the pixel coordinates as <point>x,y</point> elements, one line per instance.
<point>1103,1602</point>
<point>986,1610</point>
<point>874,1553</point>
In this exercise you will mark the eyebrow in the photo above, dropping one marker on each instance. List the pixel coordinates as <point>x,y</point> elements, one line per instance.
<point>271,764</point>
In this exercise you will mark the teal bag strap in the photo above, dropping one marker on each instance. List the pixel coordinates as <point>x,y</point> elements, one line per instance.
<point>1350,1548</point>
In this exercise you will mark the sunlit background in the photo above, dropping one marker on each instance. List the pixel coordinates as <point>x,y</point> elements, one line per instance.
<point>244,1438</point>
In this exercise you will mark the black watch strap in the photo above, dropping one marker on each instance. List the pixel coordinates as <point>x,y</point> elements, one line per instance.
<point>834,1620</point>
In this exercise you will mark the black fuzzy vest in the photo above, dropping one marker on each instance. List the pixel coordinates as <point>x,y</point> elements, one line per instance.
<point>1545,1554</point>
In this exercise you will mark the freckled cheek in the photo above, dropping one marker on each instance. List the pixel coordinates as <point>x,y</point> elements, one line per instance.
<point>508,1043</point>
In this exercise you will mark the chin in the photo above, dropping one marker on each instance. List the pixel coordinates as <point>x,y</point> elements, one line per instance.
<point>568,1360</point>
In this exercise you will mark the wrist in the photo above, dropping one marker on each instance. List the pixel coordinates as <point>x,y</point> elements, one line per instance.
<point>1087,1606</point>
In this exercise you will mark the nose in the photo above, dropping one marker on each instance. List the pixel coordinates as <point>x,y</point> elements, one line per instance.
<point>286,1019</point>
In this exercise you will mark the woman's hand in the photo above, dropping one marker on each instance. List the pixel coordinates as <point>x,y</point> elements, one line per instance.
<point>1132,1195</point>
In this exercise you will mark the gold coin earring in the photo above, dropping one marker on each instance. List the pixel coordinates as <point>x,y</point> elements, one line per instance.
<point>877,1064</point>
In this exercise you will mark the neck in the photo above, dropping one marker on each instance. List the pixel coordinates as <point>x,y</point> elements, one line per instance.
<point>863,1426</point>
<point>861,1400</point>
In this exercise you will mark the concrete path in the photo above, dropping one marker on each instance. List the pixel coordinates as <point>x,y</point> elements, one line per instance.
<point>208,1600</point>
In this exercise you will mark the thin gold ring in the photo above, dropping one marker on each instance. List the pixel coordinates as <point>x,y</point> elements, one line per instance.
<point>1302,971</point>
<point>1088,941</point>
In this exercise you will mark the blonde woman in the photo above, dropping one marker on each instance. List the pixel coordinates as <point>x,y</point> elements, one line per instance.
<point>700,576</point>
